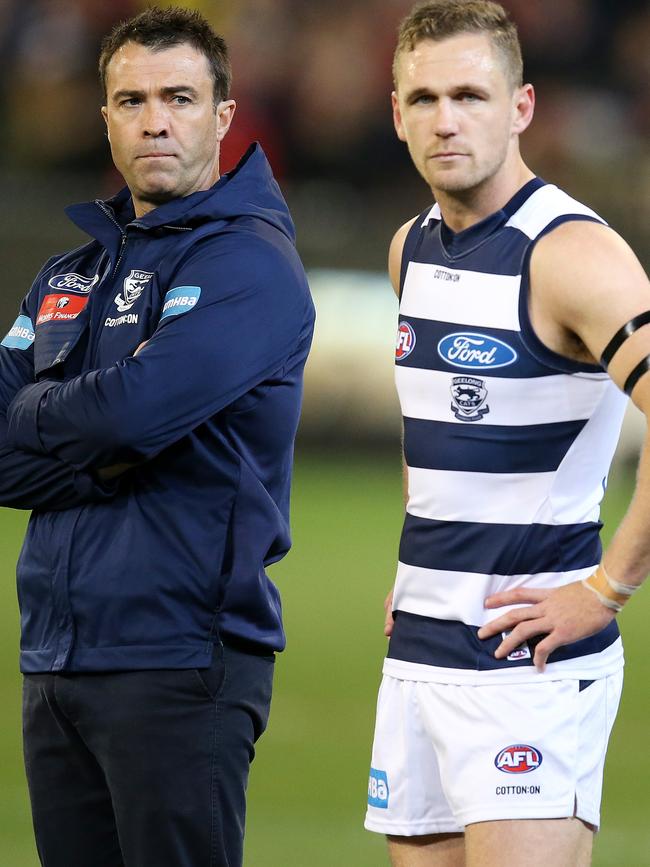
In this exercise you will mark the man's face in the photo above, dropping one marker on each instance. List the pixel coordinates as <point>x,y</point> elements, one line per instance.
<point>457,111</point>
<point>162,122</point>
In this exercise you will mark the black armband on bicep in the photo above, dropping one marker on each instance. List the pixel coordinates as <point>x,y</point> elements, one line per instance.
<point>618,340</point>
<point>622,335</point>
<point>637,373</point>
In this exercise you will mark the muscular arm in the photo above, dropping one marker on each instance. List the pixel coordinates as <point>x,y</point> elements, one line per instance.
<point>585,284</point>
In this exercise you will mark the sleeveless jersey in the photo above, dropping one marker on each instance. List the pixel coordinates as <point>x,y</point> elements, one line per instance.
<point>507,445</point>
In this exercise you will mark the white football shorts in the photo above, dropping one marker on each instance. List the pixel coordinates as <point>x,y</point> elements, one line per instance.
<point>447,755</point>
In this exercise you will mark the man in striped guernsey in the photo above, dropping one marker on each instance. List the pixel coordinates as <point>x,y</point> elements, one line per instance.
<point>492,726</point>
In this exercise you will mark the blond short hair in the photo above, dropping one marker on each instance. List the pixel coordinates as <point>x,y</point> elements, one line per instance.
<point>439,19</point>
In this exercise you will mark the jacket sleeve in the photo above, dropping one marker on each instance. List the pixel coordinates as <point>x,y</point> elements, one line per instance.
<point>28,480</point>
<point>232,316</point>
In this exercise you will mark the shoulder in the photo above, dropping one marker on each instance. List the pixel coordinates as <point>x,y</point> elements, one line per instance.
<point>395,253</point>
<point>583,256</point>
<point>243,257</point>
<point>587,280</point>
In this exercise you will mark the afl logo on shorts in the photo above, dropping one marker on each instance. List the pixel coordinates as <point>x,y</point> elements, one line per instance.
<point>518,759</point>
<point>405,342</point>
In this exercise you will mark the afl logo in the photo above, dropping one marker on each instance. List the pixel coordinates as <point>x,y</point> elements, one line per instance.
<point>471,351</point>
<point>518,759</point>
<point>405,341</point>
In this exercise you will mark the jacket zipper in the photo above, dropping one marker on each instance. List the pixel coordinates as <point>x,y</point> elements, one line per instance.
<point>108,213</point>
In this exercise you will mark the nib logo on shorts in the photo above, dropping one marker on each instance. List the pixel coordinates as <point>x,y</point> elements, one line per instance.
<point>518,759</point>
<point>378,789</point>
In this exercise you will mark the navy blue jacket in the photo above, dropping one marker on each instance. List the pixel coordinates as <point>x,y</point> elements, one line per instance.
<point>145,570</point>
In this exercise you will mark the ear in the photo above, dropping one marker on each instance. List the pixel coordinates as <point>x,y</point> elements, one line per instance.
<point>524,108</point>
<point>104,112</point>
<point>397,117</point>
<point>225,114</point>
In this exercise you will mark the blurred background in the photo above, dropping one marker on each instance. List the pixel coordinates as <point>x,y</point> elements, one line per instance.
<point>312,82</point>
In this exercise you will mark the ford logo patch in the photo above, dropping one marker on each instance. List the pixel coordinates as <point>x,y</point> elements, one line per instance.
<point>74,282</point>
<point>475,351</point>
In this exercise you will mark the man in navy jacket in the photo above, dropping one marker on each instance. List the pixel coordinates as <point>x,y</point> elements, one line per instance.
<point>149,398</point>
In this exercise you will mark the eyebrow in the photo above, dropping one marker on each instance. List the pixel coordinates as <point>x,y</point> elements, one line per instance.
<point>412,95</point>
<point>166,91</point>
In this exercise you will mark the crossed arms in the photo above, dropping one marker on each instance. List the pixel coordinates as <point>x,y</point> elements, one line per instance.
<point>55,436</point>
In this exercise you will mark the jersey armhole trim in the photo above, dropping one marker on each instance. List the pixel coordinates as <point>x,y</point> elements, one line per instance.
<point>411,243</point>
<point>529,337</point>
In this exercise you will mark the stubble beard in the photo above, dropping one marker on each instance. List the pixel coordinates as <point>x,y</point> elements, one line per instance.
<point>461,182</point>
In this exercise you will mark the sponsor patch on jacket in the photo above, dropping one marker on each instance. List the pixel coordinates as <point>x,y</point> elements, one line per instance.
<point>475,351</point>
<point>180,300</point>
<point>132,289</point>
<point>518,759</point>
<point>378,789</point>
<point>21,334</point>
<point>73,282</point>
<point>405,341</point>
<point>60,308</point>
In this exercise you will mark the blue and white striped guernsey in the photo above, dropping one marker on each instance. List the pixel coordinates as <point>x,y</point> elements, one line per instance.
<point>507,444</point>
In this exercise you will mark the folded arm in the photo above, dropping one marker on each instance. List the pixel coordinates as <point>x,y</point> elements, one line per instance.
<point>29,480</point>
<point>228,322</point>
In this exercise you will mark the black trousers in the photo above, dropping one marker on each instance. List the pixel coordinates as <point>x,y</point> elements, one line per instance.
<point>144,768</point>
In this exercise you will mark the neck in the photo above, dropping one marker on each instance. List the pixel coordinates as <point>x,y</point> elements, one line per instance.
<point>462,209</point>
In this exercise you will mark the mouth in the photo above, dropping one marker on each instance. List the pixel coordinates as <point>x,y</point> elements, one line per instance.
<point>447,155</point>
<point>155,156</point>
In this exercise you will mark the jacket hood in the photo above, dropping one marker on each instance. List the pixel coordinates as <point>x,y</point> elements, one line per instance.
<point>248,190</point>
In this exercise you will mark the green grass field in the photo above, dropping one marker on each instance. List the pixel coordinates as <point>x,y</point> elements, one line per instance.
<point>308,782</point>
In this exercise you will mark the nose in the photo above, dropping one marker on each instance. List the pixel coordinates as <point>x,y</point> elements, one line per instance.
<point>155,121</point>
<point>446,122</point>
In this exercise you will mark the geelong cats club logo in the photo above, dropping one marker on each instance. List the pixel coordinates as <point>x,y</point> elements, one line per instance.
<point>467,398</point>
<point>134,286</point>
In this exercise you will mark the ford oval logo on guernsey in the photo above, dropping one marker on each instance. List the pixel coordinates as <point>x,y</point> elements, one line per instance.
<point>518,759</point>
<point>475,351</point>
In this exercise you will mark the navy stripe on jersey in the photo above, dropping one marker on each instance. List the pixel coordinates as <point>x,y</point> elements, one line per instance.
<point>501,255</point>
<point>429,333</point>
<point>437,445</point>
<point>451,644</point>
<point>499,549</point>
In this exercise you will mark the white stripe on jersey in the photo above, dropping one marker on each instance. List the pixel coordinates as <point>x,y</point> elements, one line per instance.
<point>476,299</point>
<point>426,394</point>
<point>523,498</point>
<point>544,206</point>
<point>460,595</point>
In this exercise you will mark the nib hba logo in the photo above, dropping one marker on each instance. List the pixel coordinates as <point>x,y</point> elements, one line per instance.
<point>518,759</point>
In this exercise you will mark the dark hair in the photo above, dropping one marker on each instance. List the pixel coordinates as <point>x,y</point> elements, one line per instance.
<point>438,19</point>
<point>161,28</point>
